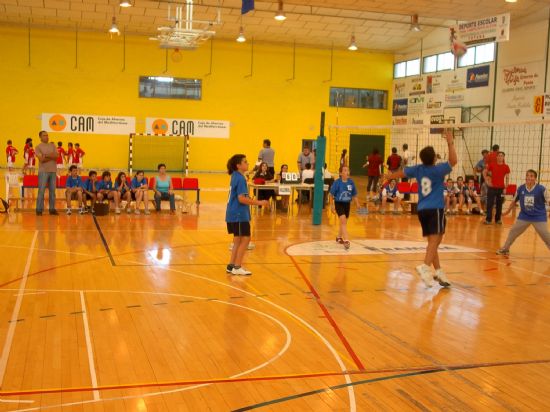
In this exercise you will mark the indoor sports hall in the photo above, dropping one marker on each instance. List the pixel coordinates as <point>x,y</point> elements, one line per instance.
<point>238,205</point>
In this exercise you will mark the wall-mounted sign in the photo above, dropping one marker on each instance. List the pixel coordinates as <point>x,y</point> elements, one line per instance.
<point>217,129</point>
<point>495,28</point>
<point>88,123</point>
<point>477,76</point>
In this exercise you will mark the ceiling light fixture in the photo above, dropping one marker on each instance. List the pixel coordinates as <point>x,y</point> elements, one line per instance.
<point>280,16</point>
<point>114,28</point>
<point>511,1</point>
<point>352,45</point>
<point>241,38</point>
<point>125,3</point>
<point>415,26</point>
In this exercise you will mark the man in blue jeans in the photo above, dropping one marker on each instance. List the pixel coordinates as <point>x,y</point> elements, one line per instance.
<point>47,173</point>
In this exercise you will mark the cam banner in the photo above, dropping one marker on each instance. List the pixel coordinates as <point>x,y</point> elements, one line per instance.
<point>494,28</point>
<point>216,129</point>
<point>88,123</point>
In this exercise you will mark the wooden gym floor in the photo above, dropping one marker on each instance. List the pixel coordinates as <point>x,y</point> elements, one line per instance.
<point>136,313</point>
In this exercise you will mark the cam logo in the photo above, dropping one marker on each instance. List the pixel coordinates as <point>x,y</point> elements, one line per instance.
<point>160,126</point>
<point>57,123</point>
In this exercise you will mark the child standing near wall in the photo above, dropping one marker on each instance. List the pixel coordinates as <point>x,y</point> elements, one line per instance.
<point>237,215</point>
<point>10,155</point>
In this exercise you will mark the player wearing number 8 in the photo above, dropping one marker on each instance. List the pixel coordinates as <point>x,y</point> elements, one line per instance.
<point>431,205</point>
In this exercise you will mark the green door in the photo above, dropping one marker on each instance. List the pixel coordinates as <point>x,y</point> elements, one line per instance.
<point>360,146</point>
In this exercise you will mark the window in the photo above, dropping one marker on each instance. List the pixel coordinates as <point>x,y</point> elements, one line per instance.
<point>407,68</point>
<point>413,67</point>
<point>445,61</point>
<point>400,70</point>
<point>170,88</point>
<point>358,98</point>
<point>484,53</point>
<point>430,64</point>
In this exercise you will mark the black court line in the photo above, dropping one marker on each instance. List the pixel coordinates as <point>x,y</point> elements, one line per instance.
<point>113,263</point>
<point>385,378</point>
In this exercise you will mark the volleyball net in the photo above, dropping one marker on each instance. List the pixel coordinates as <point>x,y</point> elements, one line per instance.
<point>147,151</point>
<point>526,144</point>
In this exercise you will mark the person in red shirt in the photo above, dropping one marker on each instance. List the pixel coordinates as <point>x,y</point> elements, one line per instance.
<point>374,170</point>
<point>31,159</point>
<point>492,156</point>
<point>499,173</point>
<point>10,155</point>
<point>394,161</point>
<point>61,156</point>
<point>70,154</point>
<point>78,155</point>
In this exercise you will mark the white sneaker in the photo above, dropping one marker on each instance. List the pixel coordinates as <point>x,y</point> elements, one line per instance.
<point>117,211</point>
<point>241,271</point>
<point>82,211</point>
<point>425,274</point>
<point>128,210</point>
<point>442,278</point>
<point>136,211</point>
<point>69,212</point>
<point>147,212</point>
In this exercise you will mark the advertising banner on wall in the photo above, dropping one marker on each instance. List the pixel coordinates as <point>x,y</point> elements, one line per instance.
<point>495,28</point>
<point>88,123</point>
<point>517,86</point>
<point>400,107</point>
<point>477,77</point>
<point>216,129</point>
<point>400,90</point>
<point>416,105</point>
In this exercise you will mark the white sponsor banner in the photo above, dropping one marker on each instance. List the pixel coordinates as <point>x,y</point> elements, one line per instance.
<point>88,123</point>
<point>217,129</point>
<point>371,247</point>
<point>517,86</point>
<point>489,28</point>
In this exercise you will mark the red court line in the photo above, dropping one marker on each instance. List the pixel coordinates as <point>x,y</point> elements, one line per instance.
<point>441,368</point>
<point>329,317</point>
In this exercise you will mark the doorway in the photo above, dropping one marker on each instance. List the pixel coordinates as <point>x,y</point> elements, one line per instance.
<point>360,146</point>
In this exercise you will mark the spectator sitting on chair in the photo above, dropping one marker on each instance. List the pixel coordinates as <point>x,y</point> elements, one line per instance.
<point>105,190</point>
<point>390,194</point>
<point>284,198</point>
<point>163,189</point>
<point>140,191</point>
<point>90,190</point>
<point>308,173</point>
<point>469,196</point>
<point>265,174</point>
<point>326,173</point>
<point>460,187</point>
<point>123,189</point>
<point>450,192</point>
<point>480,166</point>
<point>74,190</point>
<point>394,161</point>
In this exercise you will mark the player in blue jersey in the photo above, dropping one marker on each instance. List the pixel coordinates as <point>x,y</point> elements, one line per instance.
<point>431,205</point>
<point>237,215</point>
<point>342,192</point>
<point>532,199</point>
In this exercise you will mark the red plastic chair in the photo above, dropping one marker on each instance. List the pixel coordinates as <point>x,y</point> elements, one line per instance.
<point>176,183</point>
<point>152,183</point>
<point>510,190</point>
<point>404,187</point>
<point>62,182</point>
<point>190,183</point>
<point>414,187</point>
<point>30,181</point>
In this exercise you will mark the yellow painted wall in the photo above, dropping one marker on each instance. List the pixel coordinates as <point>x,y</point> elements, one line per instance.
<point>265,105</point>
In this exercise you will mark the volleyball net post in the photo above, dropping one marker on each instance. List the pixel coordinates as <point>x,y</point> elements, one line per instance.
<point>318,189</point>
